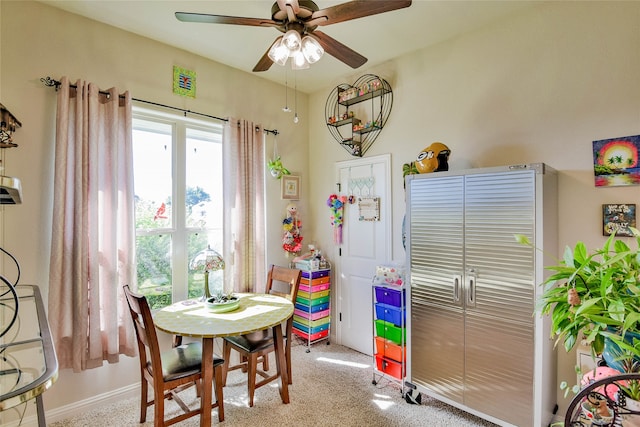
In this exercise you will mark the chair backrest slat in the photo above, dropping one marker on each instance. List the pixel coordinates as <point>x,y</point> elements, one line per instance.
<point>145,330</point>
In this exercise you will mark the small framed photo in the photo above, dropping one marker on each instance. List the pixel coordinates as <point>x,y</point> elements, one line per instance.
<point>617,218</point>
<point>291,187</point>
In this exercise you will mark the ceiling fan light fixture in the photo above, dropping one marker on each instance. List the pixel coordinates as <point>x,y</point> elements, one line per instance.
<point>299,62</point>
<point>292,41</point>
<point>279,52</point>
<point>311,49</point>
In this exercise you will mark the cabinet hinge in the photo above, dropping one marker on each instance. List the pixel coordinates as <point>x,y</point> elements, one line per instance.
<point>340,317</point>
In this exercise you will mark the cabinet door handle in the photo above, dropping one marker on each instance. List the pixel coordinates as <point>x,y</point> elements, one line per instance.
<point>471,288</point>
<point>457,280</point>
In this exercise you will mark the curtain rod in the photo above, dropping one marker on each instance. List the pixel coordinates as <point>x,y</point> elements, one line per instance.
<point>48,81</point>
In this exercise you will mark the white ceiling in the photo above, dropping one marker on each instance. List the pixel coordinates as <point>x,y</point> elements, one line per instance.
<point>379,37</point>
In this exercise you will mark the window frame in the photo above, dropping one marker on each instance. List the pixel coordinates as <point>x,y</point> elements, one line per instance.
<point>178,229</point>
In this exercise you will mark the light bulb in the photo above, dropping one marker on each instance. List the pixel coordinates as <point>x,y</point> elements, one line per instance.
<point>296,119</point>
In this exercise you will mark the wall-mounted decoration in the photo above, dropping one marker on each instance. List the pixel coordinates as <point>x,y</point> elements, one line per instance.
<point>617,218</point>
<point>290,187</point>
<point>615,161</point>
<point>354,123</point>
<point>369,208</point>
<point>292,239</point>
<point>184,82</point>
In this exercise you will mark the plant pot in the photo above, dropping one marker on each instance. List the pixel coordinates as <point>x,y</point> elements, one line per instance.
<point>595,416</point>
<point>612,351</point>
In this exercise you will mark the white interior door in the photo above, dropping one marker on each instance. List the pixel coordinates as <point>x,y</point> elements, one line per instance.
<point>366,244</point>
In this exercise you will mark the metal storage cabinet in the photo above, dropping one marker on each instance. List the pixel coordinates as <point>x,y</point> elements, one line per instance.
<point>474,340</point>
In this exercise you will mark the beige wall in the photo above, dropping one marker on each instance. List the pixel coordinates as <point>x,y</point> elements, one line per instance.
<point>538,87</point>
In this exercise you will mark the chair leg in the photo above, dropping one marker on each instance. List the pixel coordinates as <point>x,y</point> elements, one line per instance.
<point>143,400</point>
<point>251,376</point>
<point>265,362</point>
<point>287,348</point>
<point>217,381</point>
<point>158,413</point>
<point>226,350</point>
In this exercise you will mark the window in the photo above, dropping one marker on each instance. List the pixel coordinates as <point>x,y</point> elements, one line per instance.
<point>178,203</point>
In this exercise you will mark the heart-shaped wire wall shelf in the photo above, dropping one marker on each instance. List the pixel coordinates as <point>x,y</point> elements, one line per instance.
<point>352,121</point>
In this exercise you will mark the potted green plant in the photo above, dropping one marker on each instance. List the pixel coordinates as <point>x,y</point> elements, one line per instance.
<point>594,294</point>
<point>276,168</point>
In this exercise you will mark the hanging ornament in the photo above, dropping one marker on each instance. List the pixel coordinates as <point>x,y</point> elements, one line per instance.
<point>292,240</point>
<point>336,204</point>
<point>573,298</point>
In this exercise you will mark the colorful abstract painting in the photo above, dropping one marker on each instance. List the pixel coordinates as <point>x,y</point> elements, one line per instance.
<point>184,82</point>
<point>615,161</point>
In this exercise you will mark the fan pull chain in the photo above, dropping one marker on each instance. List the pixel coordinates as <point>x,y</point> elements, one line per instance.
<point>286,108</point>
<point>295,79</point>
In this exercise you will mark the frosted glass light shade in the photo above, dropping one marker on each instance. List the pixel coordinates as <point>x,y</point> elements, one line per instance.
<point>292,41</point>
<point>311,49</point>
<point>278,52</point>
<point>299,62</point>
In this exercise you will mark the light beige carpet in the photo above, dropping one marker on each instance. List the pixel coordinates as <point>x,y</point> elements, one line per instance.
<point>332,386</point>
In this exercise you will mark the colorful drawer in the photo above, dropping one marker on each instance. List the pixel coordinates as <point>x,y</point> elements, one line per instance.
<point>313,295</point>
<point>311,330</point>
<point>390,367</point>
<point>391,332</point>
<point>391,314</point>
<point>314,282</point>
<point>316,301</point>
<point>311,316</point>
<point>311,337</point>
<point>311,323</point>
<point>390,296</point>
<point>390,350</point>
<point>311,308</point>
<point>314,288</point>
<point>315,274</point>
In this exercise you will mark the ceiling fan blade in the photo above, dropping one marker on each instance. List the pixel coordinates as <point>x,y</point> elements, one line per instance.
<point>265,62</point>
<point>339,51</point>
<point>222,19</point>
<point>357,9</point>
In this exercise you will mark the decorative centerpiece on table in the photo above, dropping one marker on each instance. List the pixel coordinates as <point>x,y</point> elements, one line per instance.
<point>222,302</point>
<point>206,261</point>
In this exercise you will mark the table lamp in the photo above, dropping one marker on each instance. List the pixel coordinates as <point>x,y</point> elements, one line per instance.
<point>207,260</point>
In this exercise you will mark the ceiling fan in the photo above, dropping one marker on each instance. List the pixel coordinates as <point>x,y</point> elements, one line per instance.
<point>298,20</point>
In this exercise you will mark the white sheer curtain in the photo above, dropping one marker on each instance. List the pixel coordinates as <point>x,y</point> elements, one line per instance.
<point>93,234</point>
<point>243,153</point>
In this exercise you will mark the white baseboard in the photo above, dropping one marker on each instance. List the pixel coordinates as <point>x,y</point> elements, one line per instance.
<point>94,402</point>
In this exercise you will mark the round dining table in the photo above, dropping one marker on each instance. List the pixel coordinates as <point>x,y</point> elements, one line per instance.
<point>255,312</point>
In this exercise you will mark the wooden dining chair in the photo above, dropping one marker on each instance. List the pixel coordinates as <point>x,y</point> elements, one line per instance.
<point>256,346</point>
<point>169,372</point>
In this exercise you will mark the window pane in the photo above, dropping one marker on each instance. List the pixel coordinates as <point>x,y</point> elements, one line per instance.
<point>153,253</point>
<point>203,179</point>
<point>152,157</point>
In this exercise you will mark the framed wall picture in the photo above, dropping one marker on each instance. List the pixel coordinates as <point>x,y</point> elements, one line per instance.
<point>616,161</point>
<point>617,218</point>
<point>290,187</point>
